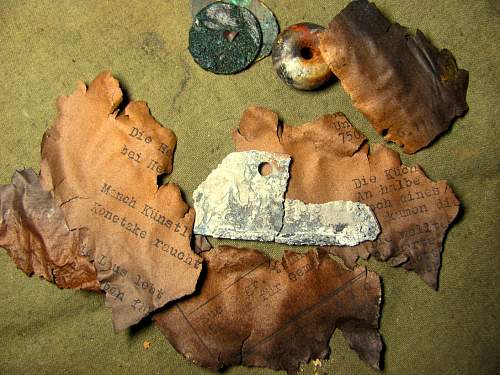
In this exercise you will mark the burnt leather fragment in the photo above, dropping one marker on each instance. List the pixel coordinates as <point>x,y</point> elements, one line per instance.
<point>408,89</point>
<point>34,232</point>
<point>255,311</point>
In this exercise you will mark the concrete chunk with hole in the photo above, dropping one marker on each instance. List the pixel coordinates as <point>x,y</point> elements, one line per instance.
<point>237,201</point>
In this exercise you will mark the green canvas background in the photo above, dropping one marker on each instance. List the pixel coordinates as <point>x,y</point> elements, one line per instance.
<point>46,45</point>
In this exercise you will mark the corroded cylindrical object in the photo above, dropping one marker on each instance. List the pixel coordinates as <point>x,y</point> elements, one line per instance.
<point>297,58</point>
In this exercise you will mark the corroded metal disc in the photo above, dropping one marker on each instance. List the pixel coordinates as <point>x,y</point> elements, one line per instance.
<point>267,21</point>
<point>224,38</point>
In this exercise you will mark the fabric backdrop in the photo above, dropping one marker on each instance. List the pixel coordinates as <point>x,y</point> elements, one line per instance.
<point>46,45</point>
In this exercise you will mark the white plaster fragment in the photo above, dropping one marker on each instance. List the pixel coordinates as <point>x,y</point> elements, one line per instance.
<point>236,201</point>
<point>332,223</point>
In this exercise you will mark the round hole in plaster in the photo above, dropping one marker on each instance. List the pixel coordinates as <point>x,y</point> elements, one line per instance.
<point>265,169</point>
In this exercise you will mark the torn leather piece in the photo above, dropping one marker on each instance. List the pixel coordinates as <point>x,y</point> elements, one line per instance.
<point>331,163</point>
<point>35,234</point>
<point>408,89</point>
<point>255,311</point>
<point>102,168</point>
<point>243,198</point>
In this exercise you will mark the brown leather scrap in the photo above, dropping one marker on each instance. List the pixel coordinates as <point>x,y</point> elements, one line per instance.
<point>408,89</point>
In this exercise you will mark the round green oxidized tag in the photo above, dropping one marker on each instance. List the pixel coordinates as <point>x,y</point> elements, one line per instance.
<point>267,22</point>
<point>224,38</point>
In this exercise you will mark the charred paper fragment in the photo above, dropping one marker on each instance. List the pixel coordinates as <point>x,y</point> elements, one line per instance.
<point>267,21</point>
<point>224,38</point>
<point>240,199</point>
<point>334,223</point>
<point>102,169</point>
<point>34,232</point>
<point>258,312</point>
<point>332,162</point>
<point>243,198</point>
<point>406,87</point>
